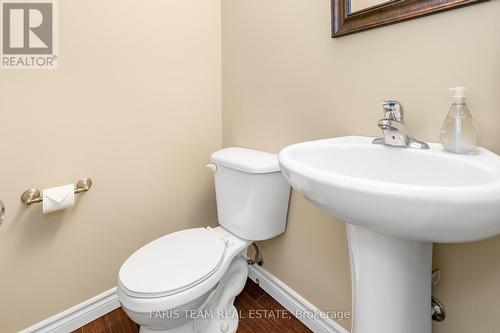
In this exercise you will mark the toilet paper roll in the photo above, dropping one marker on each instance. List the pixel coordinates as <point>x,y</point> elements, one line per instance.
<point>57,198</point>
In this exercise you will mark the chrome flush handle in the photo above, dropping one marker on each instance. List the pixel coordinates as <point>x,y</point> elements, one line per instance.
<point>2,212</point>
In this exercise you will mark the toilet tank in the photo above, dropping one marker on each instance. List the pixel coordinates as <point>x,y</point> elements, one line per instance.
<point>252,194</point>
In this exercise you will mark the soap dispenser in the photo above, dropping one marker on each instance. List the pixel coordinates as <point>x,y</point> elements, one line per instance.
<point>459,133</point>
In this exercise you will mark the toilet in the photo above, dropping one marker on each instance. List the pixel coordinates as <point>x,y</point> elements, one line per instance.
<point>186,281</point>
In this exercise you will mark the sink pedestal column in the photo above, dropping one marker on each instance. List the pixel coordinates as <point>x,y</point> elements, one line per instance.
<point>391,283</point>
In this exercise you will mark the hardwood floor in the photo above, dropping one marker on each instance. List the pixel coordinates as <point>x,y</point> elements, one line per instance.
<point>259,313</point>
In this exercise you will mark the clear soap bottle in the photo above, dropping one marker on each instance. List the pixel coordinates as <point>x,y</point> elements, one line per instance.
<point>459,133</point>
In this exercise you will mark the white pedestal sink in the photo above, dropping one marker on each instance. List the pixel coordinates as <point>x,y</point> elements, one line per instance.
<point>396,203</point>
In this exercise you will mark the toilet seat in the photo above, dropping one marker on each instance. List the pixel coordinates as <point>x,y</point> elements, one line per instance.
<point>174,263</point>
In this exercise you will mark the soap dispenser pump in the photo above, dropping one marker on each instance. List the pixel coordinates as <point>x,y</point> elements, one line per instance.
<point>459,133</point>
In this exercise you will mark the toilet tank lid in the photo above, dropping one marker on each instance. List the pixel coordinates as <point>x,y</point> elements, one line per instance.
<point>246,160</point>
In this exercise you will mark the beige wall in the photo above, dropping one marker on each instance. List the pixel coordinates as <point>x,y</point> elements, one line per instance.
<point>137,97</point>
<point>285,80</point>
<point>135,105</point>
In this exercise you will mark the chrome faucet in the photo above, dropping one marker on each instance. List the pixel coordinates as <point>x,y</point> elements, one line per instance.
<point>394,128</point>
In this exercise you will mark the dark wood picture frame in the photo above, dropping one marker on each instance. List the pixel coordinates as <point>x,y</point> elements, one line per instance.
<point>344,23</point>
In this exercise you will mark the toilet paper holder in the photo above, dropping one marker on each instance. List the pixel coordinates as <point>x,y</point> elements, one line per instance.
<point>33,196</point>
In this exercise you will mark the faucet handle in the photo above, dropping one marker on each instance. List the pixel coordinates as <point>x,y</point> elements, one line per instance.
<point>393,110</point>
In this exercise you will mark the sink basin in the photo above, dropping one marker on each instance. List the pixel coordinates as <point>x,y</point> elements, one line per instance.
<point>396,203</point>
<point>427,195</point>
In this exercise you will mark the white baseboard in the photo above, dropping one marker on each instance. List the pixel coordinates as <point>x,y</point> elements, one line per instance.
<point>79,315</point>
<point>293,302</point>
<point>83,313</point>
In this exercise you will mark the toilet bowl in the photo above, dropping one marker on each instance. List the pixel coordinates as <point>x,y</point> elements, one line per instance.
<point>186,281</point>
<point>162,295</point>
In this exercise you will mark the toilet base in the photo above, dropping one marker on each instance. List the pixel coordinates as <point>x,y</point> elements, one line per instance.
<point>187,327</point>
<point>227,325</point>
<point>218,314</point>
